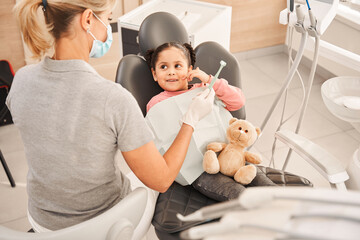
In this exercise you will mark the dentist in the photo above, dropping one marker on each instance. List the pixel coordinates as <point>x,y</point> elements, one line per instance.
<point>72,121</point>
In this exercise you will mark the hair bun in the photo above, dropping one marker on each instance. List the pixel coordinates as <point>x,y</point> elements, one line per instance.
<point>191,52</point>
<point>148,56</point>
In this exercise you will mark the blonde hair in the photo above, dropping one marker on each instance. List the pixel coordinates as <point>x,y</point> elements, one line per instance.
<point>41,27</point>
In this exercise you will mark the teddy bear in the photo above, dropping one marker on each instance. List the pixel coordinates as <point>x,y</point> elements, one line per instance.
<point>232,157</point>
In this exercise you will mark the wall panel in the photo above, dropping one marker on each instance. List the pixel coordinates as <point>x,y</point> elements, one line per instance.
<point>11,47</point>
<point>255,23</point>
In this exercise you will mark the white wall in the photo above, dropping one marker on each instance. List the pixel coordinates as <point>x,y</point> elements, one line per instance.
<point>344,34</point>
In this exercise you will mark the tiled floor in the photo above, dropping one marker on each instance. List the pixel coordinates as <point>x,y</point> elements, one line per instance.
<point>262,77</point>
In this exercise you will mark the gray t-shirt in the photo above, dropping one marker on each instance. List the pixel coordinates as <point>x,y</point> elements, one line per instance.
<point>72,121</point>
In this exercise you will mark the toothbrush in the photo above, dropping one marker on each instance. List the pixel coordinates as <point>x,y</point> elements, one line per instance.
<point>222,64</point>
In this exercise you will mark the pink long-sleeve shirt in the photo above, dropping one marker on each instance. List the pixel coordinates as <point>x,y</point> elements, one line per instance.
<point>231,96</point>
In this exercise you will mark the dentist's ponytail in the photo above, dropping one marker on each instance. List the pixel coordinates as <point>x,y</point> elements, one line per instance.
<point>43,22</point>
<point>34,32</point>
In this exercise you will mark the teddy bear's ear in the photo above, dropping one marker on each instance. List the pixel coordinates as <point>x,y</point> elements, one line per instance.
<point>258,131</point>
<point>232,120</point>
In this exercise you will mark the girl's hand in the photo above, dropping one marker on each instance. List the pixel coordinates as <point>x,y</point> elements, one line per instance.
<point>198,74</point>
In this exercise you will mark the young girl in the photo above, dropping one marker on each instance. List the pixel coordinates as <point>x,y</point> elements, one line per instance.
<point>172,67</point>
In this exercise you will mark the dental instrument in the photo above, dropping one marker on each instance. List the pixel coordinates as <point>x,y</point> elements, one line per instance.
<point>222,64</point>
<point>324,12</point>
<point>212,211</point>
<point>233,224</point>
<point>291,205</point>
<point>257,197</point>
<point>291,5</point>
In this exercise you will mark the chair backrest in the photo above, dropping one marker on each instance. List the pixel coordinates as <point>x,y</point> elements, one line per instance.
<point>134,74</point>
<point>116,223</point>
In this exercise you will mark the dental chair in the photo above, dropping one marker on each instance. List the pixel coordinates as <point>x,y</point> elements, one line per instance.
<point>117,223</point>
<point>134,74</point>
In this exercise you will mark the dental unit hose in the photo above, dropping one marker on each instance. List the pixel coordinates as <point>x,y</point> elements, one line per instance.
<point>310,83</point>
<point>282,120</point>
<point>300,28</point>
<point>312,32</point>
<point>289,77</point>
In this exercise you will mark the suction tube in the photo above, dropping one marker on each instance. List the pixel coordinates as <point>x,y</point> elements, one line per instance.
<point>289,77</point>
<point>310,83</point>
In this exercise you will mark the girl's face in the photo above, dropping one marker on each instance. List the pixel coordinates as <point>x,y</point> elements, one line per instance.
<point>171,70</point>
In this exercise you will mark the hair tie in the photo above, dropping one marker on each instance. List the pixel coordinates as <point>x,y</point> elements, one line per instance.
<point>44,3</point>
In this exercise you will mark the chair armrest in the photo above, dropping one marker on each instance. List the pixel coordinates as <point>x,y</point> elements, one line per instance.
<point>327,165</point>
<point>117,222</point>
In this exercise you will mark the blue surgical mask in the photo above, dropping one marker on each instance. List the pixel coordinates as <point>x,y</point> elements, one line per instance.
<point>99,48</point>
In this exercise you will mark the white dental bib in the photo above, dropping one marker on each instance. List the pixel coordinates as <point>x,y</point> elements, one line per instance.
<point>164,121</point>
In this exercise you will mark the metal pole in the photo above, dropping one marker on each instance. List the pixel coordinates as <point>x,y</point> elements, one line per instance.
<point>7,170</point>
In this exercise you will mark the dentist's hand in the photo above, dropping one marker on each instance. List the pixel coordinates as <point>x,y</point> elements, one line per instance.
<point>200,106</point>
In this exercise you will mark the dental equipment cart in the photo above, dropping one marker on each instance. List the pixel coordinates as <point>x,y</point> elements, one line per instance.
<point>203,22</point>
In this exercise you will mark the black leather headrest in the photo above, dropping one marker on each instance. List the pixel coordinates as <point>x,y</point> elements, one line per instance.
<point>159,28</point>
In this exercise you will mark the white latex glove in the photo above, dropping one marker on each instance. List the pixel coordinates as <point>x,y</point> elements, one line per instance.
<point>200,106</point>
